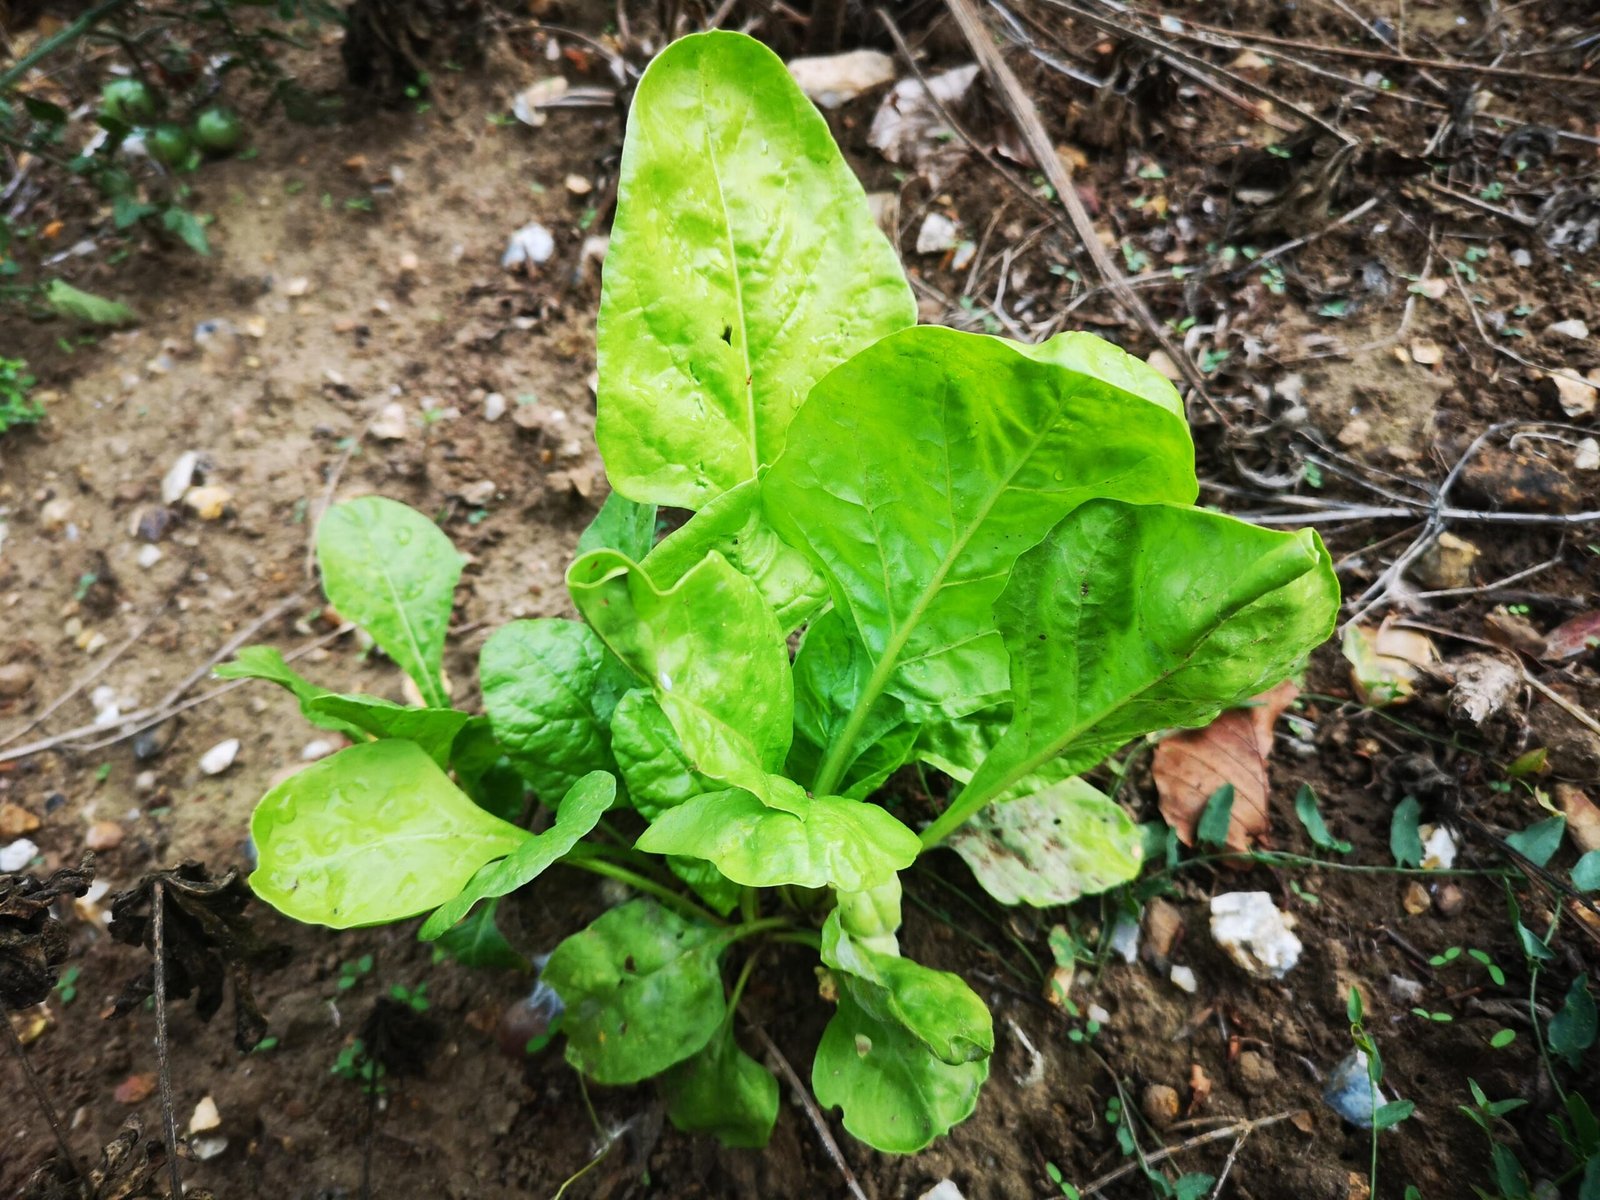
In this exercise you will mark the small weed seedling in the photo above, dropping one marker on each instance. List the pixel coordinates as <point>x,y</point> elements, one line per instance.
<point>17,407</point>
<point>1384,1116</point>
<point>991,554</point>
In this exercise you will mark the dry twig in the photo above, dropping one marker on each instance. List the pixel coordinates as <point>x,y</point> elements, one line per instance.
<point>803,1094</point>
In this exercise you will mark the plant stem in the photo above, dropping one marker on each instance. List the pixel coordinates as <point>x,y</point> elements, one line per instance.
<point>55,41</point>
<point>158,938</point>
<point>36,1085</point>
<point>683,905</point>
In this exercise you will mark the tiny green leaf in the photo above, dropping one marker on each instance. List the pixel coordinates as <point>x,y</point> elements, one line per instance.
<point>826,841</point>
<point>1405,843</point>
<point>1305,808</point>
<point>641,990</point>
<point>375,833</point>
<point>393,572</point>
<point>1391,1114</point>
<point>1539,842</point>
<point>434,729</point>
<point>1212,829</point>
<point>1586,872</point>
<point>579,812</point>
<point>724,1092</point>
<point>896,1096</point>
<point>623,525</point>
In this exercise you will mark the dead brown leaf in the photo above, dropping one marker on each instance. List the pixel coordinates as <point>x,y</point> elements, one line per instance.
<point>1583,818</point>
<point>1572,638</point>
<point>1199,1088</point>
<point>1189,767</point>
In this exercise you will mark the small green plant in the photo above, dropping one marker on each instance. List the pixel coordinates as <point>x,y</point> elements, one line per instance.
<point>992,556</point>
<point>17,407</point>
<point>1384,1116</point>
<point>67,985</point>
<point>352,973</point>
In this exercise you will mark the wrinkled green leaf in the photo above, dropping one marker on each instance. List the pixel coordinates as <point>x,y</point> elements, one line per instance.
<point>826,841</point>
<point>1405,842</point>
<point>549,688</point>
<point>641,990</point>
<point>622,525</point>
<point>921,469</point>
<point>744,263</point>
<point>393,572</point>
<point>724,1092</point>
<point>654,767</point>
<point>434,729</point>
<point>937,1008</point>
<point>1129,618</point>
<point>1572,1030</point>
<point>67,301</point>
<point>579,812</point>
<point>831,670</point>
<point>375,833</point>
<point>265,662</point>
<point>1305,808</point>
<point>735,527</point>
<point>478,942</point>
<point>1539,842</point>
<point>1053,847</point>
<point>709,648</point>
<point>896,1096</point>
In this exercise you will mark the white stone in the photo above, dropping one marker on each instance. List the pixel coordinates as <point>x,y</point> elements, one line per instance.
<point>206,1117</point>
<point>220,757</point>
<point>178,477</point>
<point>1588,456</point>
<point>1438,847</point>
<point>938,234</point>
<point>390,425</point>
<point>17,855</point>
<point>1574,327</point>
<point>149,555</point>
<point>1096,1013</point>
<point>207,1148</point>
<point>533,243</point>
<point>144,781</point>
<point>1255,933</point>
<point>1183,979</point>
<point>945,1189</point>
<point>320,748</point>
<point>494,406</point>
<point>1125,938</point>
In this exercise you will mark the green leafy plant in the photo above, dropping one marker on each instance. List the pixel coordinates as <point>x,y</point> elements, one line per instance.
<point>17,407</point>
<point>991,556</point>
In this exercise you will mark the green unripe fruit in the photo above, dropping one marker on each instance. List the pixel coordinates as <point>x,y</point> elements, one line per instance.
<point>218,130</point>
<point>168,143</point>
<point>128,101</point>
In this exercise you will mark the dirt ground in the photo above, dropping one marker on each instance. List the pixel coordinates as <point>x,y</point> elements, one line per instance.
<point>1375,350</point>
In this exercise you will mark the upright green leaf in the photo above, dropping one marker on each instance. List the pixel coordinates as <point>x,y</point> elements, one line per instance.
<point>580,811</point>
<point>1132,618</point>
<point>622,525</point>
<point>935,1007</point>
<point>549,688</point>
<point>657,772</point>
<point>1572,1030</point>
<point>478,942</point>
<point>393,572</point>
<point>921,469</point>
<point>724,1092</point>
<point>1405,838</point>
<point>266,662</point>
<point>744,263</point>
<point>1053,847</point>
<point>375,833</point>
<point>641,990</point>
<point>896,1096</point>
<point>434,729</point>
<point>1305,807</point>
<point>709,648</point>
<point>735,526</point>
<point>826,841</point>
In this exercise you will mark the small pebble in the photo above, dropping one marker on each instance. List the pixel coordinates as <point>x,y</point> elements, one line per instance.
<point>390,425</point>
<point>1160,1104</point>
<point>135,1089</point>
<point>103,835</point>
<point>17,855</point>
<point>494,406</point>
<point>148,556</point>
<point>1405,991</point>
<point>208,502</point>
<point>1449,900</point>
<point>1255,933</point>
<point>16,821</point>
<point>1351,1094</point>
<point>220,757</point>
<point>1098,1014</point>
<point>945,1189</point>
<point>1257,1075</point>
<point>55,514</point>
<point>207,1148</point>
<point>320,748</point>
<point>144,781</point>
<point>16,679</point>
<point>1125,938</point>
<point>1184,980</point>
<point>179,477</point>
<point>206,1117</point>
<point>1415,900</point>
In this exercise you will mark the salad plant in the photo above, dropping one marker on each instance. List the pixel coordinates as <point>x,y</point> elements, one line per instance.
<point>986,555</point>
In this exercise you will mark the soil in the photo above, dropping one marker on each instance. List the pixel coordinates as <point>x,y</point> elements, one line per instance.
<point>322,313</point>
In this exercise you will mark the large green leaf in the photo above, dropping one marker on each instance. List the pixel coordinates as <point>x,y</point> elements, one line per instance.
<point>735,526</point>
<point>826,841</point>
<point>935,1007</point>
<point>896,1096</point>
<point>724,1092</point>
<point>621,525</point>
<point>1067,841</point>
<point>393,572</point>
<point>710,649</point>
<point>434,729</point>
<point>580,811</point>
<point>375,833</point>
<point>549,688</point>
<point>744,263</point>
<point>266,662</point>
<point>921,469</point>
<point>1094,356</point>
<point>641,990</point>
<point>1133,618</point>
<point>652,761</point>
<point>720,893</point>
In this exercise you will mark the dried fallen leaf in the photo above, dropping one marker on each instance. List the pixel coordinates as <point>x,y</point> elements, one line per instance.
<point>1387,662</point>
<point>1426,352</point>
<point>1513,631</point>
<point>1572,638</point>
<point>1485,685</point>
<point>1583,818</point>
<point>1577,399</point>
<point>135,1089</point>
<point>1199,1088</point>
<point>1189,767</point>
<point>836,79</point>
